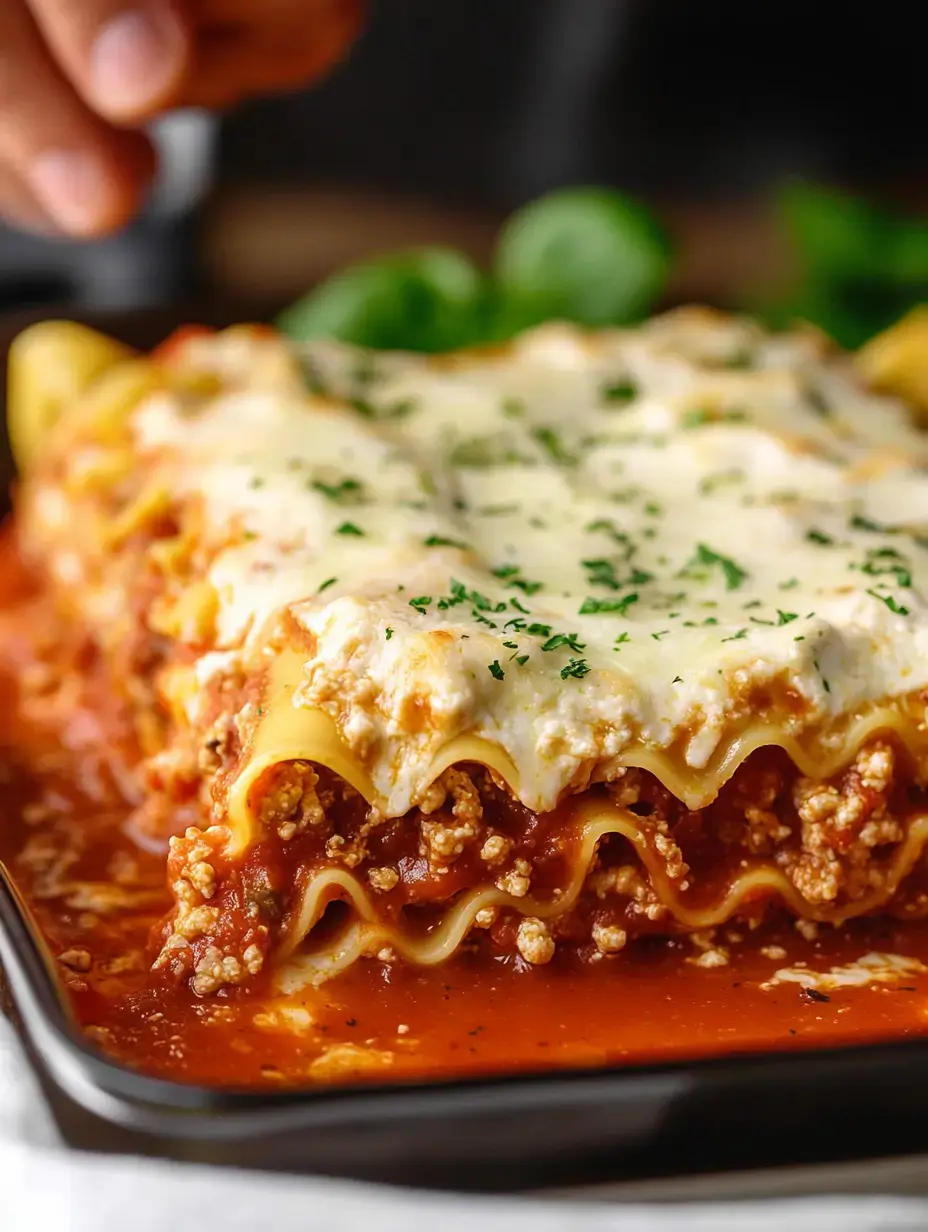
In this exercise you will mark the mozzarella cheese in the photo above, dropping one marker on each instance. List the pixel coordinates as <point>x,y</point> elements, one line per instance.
<point>575,548</point>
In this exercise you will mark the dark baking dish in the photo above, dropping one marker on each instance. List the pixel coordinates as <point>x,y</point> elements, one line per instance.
<point>501,1134</point>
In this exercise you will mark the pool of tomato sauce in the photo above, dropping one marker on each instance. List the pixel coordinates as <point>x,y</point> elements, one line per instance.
<point>477,1014</point>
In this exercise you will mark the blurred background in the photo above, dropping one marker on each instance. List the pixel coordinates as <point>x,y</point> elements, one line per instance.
<point>447,115</point>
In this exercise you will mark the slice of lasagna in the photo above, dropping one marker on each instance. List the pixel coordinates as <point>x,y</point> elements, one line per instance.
<point>531,650</point>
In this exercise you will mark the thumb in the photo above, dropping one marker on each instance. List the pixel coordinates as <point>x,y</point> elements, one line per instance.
<point>127,60</point>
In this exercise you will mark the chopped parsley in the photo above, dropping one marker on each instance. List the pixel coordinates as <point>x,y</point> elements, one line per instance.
<point>789,584</point>
<point>607,527</point>
<point>421,603</point>
<point>576,669</point>
<point>550,441</point>
<point>513,408</point>
<point>346,491</point>
<point>621,640</point>
<point>596,607</point>
<point>564,639</point>
<point>326,584</point>
<point>736,637</point>
<point>819,537</point>
<point>510,575</point>
<point>825,685</point>
<point>677,680</point>
<point>256,481</point>
<point>388,633</point>
<point>733,573</point>
<point>619,392</point>
<point>882,561</point>
<point>460,594</point>
<point>896,608</point>
<point>349,528</point>
<point>602,572</point>
<point>859,522</point>
<point>363,407</point>
<point>783,618</point>
<point>495,670</point>
<point>442,541</point>
<point>483,452</point>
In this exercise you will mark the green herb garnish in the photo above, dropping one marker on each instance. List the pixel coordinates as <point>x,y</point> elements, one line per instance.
<point>576,669</point>
<point>441,541</point>
<point>733,573</point>
<point>621,391</point>
<point>597,607</point>
<point>890,602</point>
<point>345,491</point>
<point>820,537</point>
<point>564,639</point>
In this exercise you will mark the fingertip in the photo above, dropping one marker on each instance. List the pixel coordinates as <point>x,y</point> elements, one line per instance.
<point>138,61</point>
<point>90,192</point>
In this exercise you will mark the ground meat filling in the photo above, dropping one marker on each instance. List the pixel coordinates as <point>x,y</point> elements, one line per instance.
<point>842,824</point>
<point>833,840</point>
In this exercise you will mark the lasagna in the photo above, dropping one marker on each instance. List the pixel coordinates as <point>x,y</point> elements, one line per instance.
<point>530,651</point>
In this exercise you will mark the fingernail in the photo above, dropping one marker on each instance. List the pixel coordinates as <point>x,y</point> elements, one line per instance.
<point>136,59</point>
<point>74,187</point>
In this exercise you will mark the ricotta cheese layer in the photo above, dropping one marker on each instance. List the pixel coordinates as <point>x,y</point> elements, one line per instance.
<point>577,547</point>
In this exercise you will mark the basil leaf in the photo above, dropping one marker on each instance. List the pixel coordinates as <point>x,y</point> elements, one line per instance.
<point>428,299</point>
<point>849,239</point>
<point>589,255</point>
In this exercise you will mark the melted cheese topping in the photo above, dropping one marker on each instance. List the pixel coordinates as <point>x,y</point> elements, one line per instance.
<point>582,549</point>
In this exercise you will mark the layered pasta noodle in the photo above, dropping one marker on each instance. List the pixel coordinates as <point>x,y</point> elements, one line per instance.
<point>533,650</point>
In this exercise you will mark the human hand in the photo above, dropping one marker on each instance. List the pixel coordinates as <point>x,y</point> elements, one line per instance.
<point>77,78</point>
